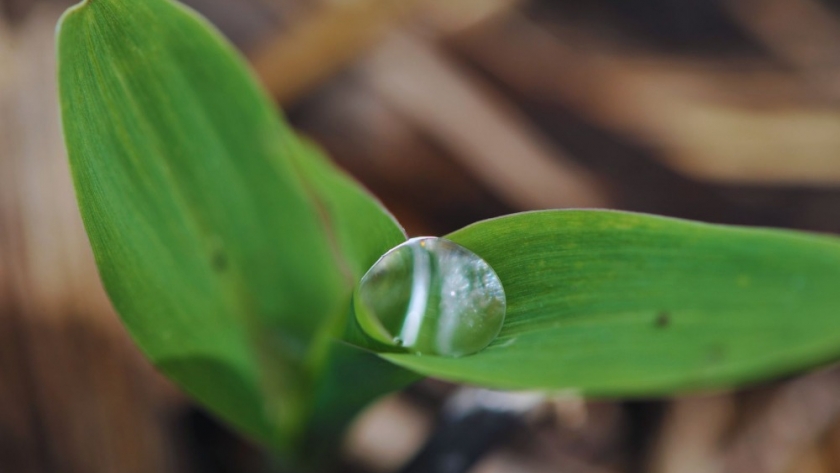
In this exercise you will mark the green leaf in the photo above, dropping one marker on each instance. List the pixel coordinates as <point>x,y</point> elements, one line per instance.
<point>228,246</point>
<point>619,304</point>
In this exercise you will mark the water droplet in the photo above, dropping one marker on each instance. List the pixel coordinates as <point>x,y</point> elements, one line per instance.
<point>431,296</point>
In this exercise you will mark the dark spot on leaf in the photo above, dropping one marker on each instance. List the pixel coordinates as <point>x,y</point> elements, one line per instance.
<point>219,261</point>
<point>663,319</point>
<point>716,353</point>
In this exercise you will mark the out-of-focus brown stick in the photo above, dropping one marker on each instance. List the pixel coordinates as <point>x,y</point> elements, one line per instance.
<point>314,49</point>
<point>804,34</point>
<point>798,415</point>
<point>691,435</point>
<point>445,17</point>
<point>812,460</point>
<point>482,130</point>
<point>18,422</point>
<point>750,125</point>
<point>830,449</point>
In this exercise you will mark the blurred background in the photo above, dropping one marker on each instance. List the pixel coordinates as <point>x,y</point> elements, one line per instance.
<point>450,111</point>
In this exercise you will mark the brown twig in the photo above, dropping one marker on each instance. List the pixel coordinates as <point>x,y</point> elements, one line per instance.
<point>798,414</point>
<point>311,51</point>
<point>750,124</point>
<point>483,131</point>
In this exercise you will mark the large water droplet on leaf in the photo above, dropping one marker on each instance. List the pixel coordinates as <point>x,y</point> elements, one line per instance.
<point>431,296</point>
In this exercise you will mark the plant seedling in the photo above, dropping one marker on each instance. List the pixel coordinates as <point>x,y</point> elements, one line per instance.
<point>232,250</point>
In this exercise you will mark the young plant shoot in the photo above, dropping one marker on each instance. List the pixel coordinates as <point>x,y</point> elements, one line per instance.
<point>284,298</point>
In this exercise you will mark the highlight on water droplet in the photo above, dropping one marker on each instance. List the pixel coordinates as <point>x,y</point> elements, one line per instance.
<point>433,297</point>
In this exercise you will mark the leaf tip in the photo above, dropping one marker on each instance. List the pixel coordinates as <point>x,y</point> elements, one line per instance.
<point>67,14</point>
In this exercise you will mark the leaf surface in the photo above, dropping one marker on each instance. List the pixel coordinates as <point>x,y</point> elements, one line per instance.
<point>620,304</point>
<point>228,246</point>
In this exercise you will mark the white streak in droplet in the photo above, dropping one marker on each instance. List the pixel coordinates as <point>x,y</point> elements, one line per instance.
<point>421,281</point>
<point>455,288</point>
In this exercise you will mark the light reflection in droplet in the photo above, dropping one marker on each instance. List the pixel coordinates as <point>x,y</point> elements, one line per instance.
<point>431,296</point>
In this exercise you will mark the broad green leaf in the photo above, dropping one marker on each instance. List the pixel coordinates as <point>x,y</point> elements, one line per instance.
<point>228,246</point>
<point>619,304</point>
